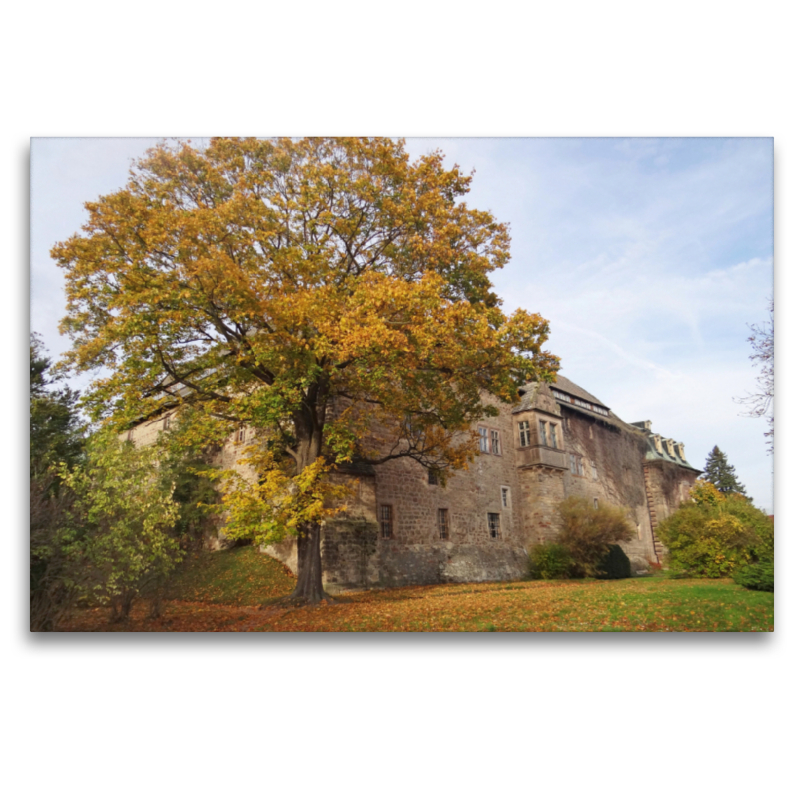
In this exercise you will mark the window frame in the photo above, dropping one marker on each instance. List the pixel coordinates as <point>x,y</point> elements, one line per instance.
<point>524,429</point>
<point>483,439</point>
<point>553,436</point>
<point>443,523</point>
<point>386,521</point>
<point>495,526</point>
<point>494,439</point>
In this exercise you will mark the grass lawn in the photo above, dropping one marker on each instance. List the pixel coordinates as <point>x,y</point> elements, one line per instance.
<point>240,590</point>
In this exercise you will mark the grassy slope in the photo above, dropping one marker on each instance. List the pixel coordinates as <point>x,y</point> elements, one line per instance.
<point>239,577</point>
<point>217,591</point>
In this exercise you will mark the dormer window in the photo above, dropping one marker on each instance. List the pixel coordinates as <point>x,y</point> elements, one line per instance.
<point>657,443</point>
<point>671,447</point>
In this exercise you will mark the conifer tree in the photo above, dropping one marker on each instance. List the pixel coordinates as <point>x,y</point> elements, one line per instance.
<point>721,474</point>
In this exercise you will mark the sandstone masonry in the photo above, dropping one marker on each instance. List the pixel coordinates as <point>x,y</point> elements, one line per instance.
<point>404,527</point>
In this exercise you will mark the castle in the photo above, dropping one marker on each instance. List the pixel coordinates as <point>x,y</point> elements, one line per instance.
<point>404,527</point>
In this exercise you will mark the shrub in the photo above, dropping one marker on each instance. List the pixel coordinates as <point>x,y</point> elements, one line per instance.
<point>615,564</point>
<point>588,532</point>
<point>121,523</point>
<point>759,576</point>
<point>550,561</point>
<point>714,535</point>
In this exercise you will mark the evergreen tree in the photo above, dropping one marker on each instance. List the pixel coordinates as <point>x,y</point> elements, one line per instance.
<point>57,437</point>
<point>57,433</point>
<point>720,473</point>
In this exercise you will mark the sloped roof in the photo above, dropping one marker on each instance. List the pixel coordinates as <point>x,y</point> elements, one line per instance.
<point>566,385</point>
<point>562,384</point>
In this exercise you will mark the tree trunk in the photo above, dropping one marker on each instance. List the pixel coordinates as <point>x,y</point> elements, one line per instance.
<point>309,568</point>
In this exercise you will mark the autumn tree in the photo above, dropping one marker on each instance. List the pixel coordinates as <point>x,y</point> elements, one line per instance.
<point>721,474</point>
<point>316,291</point>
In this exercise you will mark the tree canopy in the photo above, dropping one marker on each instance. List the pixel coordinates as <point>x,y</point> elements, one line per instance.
<point>721,474</point>
<point>316,290</point>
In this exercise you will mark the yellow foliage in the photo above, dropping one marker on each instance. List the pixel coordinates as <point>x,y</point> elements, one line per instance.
<point>329,294</point>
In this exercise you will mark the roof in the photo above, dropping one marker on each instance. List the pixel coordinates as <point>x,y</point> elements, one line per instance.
<point>570,393</point>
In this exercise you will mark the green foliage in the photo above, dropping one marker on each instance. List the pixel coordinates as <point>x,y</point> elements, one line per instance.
<point>759,576</point>
<point>56,436</point>
<point>715,534</point>
<point>550,561</point>
<point>588,532</point>
<point>120,528</point>
<point>721,474</point>
<point>183,469</point>
<point>57,433</point>
<point>616,564</point>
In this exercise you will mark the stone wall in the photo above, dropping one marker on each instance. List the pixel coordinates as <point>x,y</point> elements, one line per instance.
<point>523,486</point>
<point>617,452</point>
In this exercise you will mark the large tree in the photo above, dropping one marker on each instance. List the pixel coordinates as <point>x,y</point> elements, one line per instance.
<point>721,474</point>
<point>329,293</point>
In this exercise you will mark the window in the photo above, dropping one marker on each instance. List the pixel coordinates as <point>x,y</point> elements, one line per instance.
<point>495,442</point>
<point>494,526</point>
<point>542,433</point>
<point>386,522</point>
<point>573,464</point>
<point>505,496</point>
<point>433,478</point>
<point>580,466</point>
<point>167,421</point>
<point>239,435</point>
<point>444,524</point>
<point>483,433</point>
<point>553,439</point>
<point>524,434</point>
<point>594,470</point>
<point>596,504</point>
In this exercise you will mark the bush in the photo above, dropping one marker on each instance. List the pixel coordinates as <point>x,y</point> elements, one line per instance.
<point>759,576</point>
<point>550,561</point>
<point>588,532</point>
<point>120,524</point>
<point>615,565</point>
<point>714,535</point>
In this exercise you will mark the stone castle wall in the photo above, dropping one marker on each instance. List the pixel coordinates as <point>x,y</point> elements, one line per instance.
<point>522,485</point>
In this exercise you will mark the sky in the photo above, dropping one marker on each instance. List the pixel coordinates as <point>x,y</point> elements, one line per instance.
<point>649,257</point>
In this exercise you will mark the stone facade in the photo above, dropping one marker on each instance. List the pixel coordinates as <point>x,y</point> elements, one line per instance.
<point>404,527</point>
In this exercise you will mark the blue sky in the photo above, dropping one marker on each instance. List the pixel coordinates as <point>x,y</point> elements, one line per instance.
<point>650,257</point>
